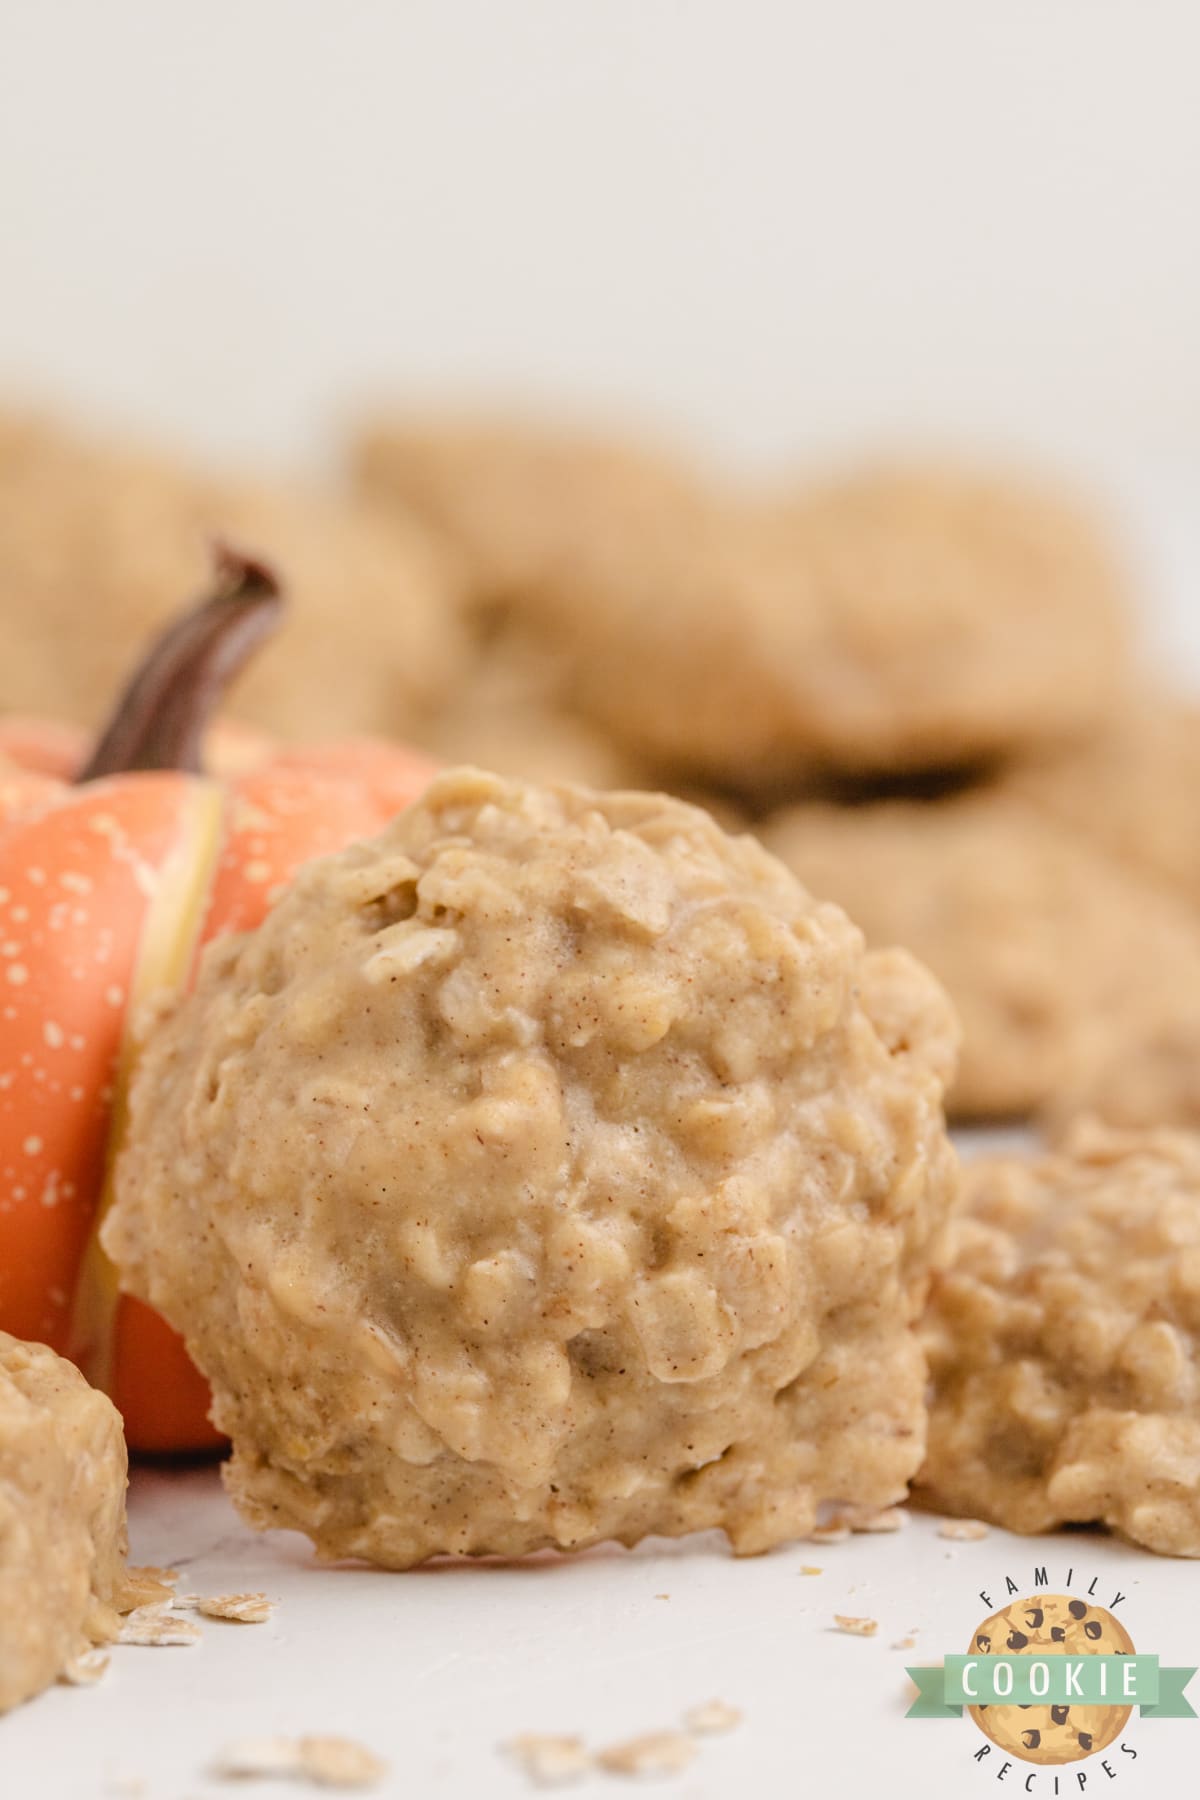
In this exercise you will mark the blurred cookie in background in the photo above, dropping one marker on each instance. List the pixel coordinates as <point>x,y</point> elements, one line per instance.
<point>506,715</point>
<point>1076,982</point>
<point>1133,789</point>
<point>950,615</point>
<point>518,500</point>
<point>894,623</point>
<point>100,544</point>
<point>896,620</point>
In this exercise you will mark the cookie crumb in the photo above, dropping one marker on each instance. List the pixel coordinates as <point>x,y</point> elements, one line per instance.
<point>325,1761</point>
<point>258,1756</point>
<point>340,1762</point>
<point>963,1531</point>
<point>239,1609</point>
<point>836,1532</point>
<point>811,1569</point>
<point>887,1518</point>
<point>711,1716</point>
<point>156,1624</point>
<point>148,1586</point>
<point>657,1753</point>
<point>905,1643</point>
<point>855,1627</point>
<point>547,1760</point>
<point>85,1669</point>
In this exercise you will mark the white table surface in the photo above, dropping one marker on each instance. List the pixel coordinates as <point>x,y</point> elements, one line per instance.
<point>436,1668</point>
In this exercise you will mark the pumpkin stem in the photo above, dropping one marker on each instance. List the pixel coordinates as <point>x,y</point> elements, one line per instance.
<point>160,720</point>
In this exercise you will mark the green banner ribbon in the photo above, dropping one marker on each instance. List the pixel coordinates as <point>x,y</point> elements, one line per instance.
<point>1102,1680</point>
<point>1171,1701</point>
<point>930,1702</point>
<point>1032,1680</point>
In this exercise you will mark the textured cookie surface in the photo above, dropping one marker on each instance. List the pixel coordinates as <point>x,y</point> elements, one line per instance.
<point>1077,983</point>
<point>62,1517</point>
<point>1045,1625</point>
<point>100,546</point>
<point>1064,1342</point>
<point>538,1174</point>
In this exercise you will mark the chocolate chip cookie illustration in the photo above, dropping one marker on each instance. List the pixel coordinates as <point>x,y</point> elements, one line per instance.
<point>1051,1625</point>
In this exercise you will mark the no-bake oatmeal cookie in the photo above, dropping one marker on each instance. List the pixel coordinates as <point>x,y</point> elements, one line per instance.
<point>1064,1342</point>
<point>1131,789</point>
<point>99,545</point>
<point>508,715</point>
<point>519,501</point>
<point>1077,982</point>
<point>62,1518</point>
<point>894,621</point>
<point>540,1173</point>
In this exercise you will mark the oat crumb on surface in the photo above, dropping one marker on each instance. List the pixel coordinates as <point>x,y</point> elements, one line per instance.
<point>156,1624</point>
<point>655,1753</point>
<point>712,1716</point>
<point>265,1757</point>
<point>963,1531</point>
<point>147,1586</point>
<point>339,1762</point>
<point>811,1569</point>
<point>886,1518</point>
<point>86,1669</point>
<point>333,1762</point>
<point>855,1627</point>
<point>836,1532</point>
<point>549,1760</point>
<point>239,1609</point>
<point>905,1643</point>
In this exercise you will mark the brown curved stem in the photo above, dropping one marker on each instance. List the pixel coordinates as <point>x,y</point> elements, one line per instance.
<point>160,720</point>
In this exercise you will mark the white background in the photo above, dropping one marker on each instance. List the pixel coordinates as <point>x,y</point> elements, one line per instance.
<point>776,226</point>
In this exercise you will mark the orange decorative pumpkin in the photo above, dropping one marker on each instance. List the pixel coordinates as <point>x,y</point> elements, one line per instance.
<point>111,881</point>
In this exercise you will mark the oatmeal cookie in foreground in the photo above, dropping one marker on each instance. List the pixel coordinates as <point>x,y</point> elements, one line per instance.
<point>1064,1342</point>
<point>537,1174</point>
<point>101,544</point>
<point>894,621</point>
<point>62,1518</point>
<point>1077,983</point>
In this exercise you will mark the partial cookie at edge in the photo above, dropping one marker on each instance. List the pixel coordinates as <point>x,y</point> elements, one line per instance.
<point>62,1518</point>
<point>1064,1342</point>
